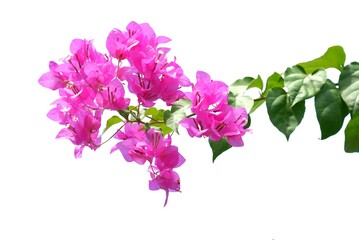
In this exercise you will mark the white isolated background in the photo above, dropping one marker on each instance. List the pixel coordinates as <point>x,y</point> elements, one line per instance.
<point>303,189</point>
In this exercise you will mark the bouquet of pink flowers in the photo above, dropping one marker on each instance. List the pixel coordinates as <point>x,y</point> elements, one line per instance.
<point>90,83</point>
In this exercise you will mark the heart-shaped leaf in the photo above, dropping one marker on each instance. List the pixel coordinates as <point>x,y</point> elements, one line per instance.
<point>352,134</point>
<point>283,115</point>
<point>349,86</point>
<point>302,86</point>
<point>330,109</point>
<point>112,121</point>
<point>219,147</point>
<point>334,57</point>
<point>238,96</point>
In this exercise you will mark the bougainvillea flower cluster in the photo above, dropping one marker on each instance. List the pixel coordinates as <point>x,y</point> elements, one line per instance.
<point>90,83</point>
<point>214,118</point>
<point>141,146</point>
<point>87,84</point>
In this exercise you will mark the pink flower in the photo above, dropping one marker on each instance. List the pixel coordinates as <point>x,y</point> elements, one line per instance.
<point>166,155</point>
<point>134,147</point>
<point>197,126</point>
<point>207,93</point>
<point>52,79</point>
<point>150,75</point>
<point>86,82</point>
<point>141,146</point>
<point>167,179</point>
<point>113,96</point>
<point>228,122</point>
<point>81,127</point>
<point>119,44</point>
<point>214,118</point>
<point>98,75</point>
<point>137,143</point>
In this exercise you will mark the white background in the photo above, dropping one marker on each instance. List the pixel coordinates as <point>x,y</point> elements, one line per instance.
<point>269,189</point>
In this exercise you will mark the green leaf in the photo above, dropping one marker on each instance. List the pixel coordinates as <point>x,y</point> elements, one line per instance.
<point>162,127</point>
<point>158,117</point>
<point>172,119</point>
<point>349,86</point>
<point>256,105</point>
<point>282,114</point>
<point>256,83</point>
<point>160,114</point>
<point>302,86</point>
<point>219,147</point>
<point>240,101</point>
<point>274,80</point>
<point>124,113</point>
<point>166,115</point>
<point>352,134</point>
<point>112,121</point>
<point>334,57</point>
<point>152,111</point>
<point>241,85</point>
<point>330,109</point>
<point>238,96</point>
<point>147,126</point>
<point>133,108</point>
<point>181,103</point>
<point>249,121</point>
